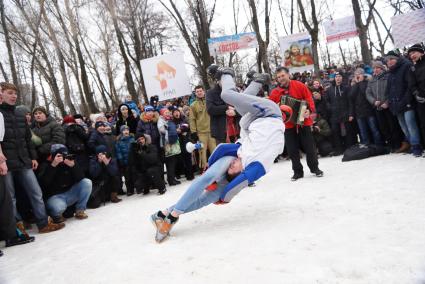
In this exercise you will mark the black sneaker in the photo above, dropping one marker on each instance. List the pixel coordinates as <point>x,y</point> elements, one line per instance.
<point>1,253</point>
<point>162,191</point>
<point>19,241</point>
<point>297,176</point>
<point>262,78</point>
<point>318,173</point>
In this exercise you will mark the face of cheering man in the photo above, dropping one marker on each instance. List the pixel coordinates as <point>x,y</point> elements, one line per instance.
<point>282,77</point>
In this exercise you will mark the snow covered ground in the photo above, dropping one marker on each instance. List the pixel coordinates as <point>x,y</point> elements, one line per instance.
<point>364,222</point>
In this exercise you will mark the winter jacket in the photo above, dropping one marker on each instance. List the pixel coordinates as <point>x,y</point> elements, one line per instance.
<point>130,121</point>
<point>122,149</point>
<point>96,138</point>
<point>142,158</point>
<point>362,107</point>
<point>17,145</point>
<point>417,78</point>
<point>338,103</point>
<point>377,89</point>
<point>76,138</point>
<point>398,93</point>
<point>199,120</point>
<point>101,172</point>
<point>298,91</point>
<point>216,109</point>
<point>50,133</point>
<point>149,127</point>
<point>324,132</point>
<point>110,140</point>
<point>59,179</point>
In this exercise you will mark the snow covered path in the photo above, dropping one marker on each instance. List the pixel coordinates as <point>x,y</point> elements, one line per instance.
<point>363,222</point>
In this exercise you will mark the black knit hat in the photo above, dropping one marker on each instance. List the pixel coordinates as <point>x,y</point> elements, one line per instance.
<point>416,47</point>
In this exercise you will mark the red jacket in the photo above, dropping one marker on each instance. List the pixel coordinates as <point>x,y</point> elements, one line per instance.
<point>298,91</point>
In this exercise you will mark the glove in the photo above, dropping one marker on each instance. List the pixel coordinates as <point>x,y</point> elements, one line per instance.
<point>194,137</point>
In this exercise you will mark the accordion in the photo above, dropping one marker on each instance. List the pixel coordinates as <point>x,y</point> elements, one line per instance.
<point>298,109</point>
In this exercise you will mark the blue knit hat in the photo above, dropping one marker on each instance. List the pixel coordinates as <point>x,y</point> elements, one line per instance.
<point>149,108</point>
<point>58,149</point>
<point>101,149</point>
<point>124,127</point>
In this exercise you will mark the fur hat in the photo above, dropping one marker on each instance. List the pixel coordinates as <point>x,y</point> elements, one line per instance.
<point>416,47</point>
<point>40,108</point>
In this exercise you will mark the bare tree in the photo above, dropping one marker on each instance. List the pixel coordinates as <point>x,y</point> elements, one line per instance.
<point>313,30</point>
<point>197,38</point>
<point>363,28</point>
<point>8,46</point>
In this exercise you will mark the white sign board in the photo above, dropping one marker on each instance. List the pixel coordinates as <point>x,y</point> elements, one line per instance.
<point>408,28</point>
<point>296,52</point>
<point>340,29</point>
<point>165,76</point>
<point>231,43</point>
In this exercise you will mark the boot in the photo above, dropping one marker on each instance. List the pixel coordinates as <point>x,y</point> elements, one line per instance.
<point>79,214</point>
<point>58,219</point>
<point>51,227</point>
<point>404,148</point>
<point>114,197</point>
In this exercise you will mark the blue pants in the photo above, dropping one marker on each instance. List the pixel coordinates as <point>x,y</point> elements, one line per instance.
<point>407,121</point>
<point>78,194</point>
<point>29,183</point>
<point>366,123</point>
<point>195,196</point>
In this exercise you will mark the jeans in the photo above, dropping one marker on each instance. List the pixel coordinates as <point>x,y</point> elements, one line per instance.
<point>78,194</point>
<point>30,184</point>
<point>365,124</point>
<point>195,196</point>
<point>407,121</point>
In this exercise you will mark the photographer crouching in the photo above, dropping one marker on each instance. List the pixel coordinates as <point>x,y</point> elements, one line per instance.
<point>63,184</point>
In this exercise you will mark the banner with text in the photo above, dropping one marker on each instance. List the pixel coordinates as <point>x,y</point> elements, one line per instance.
<point>296,51</point>
<point>166,76</point>
<point>408,28</point>
<point>340,29</point>
<point>226,44</point>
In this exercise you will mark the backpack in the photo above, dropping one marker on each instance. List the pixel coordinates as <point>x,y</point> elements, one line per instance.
<point>359,152</point>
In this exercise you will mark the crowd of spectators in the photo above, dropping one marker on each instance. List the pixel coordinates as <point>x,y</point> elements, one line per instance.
<point>54,169</point>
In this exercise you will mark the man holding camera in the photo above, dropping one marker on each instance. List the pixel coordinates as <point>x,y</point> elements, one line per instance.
<point>63,184</point>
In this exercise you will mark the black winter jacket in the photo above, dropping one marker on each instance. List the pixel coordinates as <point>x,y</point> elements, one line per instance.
<point>101,172</point>
<point>17,145</point>
<point>216,109</point>
<point>362,107</point>
<point>59,179</point>
<point>417,78</point>
<point>398,93</point>
<point>50,133</point>
<point>141,158</point>
<point>338,103</point>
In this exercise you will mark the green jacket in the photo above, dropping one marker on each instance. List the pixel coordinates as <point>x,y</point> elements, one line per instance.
<point>199,119</point>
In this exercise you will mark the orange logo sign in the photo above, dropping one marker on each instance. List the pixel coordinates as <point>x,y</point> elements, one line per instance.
<point>164,73</point>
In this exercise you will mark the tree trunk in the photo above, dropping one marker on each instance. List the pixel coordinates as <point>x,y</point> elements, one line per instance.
<point>128,76</point>
<point>58,50</point>
<point>362,29</point>
<point>84,78</point>
<point>9,48</point>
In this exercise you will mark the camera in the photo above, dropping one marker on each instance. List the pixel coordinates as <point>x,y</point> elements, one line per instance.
<point>70,157</point>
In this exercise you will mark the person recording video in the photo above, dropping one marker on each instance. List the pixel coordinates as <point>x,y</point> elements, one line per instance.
<point>63,184</point>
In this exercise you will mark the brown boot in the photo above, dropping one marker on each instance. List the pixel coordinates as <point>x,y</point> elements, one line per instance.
<point>21,227</point>
<point>81,215</point>
<point>51,227</point>
<point>404,148</point>
<point>114,197</point>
